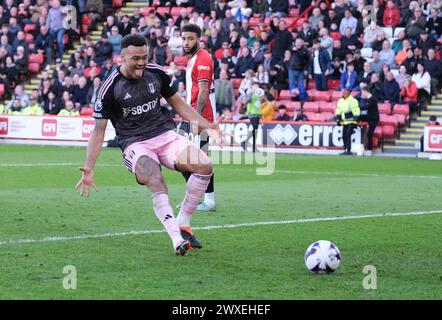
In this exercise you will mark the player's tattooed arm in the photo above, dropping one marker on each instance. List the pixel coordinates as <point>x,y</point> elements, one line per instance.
<point>203,95</point>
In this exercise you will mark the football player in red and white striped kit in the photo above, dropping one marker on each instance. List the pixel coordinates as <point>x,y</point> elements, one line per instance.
<point>200,90</point>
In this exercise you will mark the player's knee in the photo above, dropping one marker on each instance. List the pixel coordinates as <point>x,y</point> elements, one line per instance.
<point>205,168</point>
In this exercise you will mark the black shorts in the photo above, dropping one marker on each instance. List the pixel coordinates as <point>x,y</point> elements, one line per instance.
<point>193,136</point>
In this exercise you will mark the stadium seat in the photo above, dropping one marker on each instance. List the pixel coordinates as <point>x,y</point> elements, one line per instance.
<point>397,30</point>
<point>311,85</point>
<point>322,96</point>
<point>311,116</point>
<point>375,143</point>
<point>285,95</point>
<point>116,59</point>
<point>378,132</point>
<point>367,52</point>
<point>163,10</point>
<point>293,105</point>
<point>325,106</point>
<point>236,82</point>
<point>384,108</point>
<point>401,119</point>
<point>86,111</point>
<point>333,84</point>
<point>388,131</point>
<point>36,58</point>
<point>29,27</point>
<point>254,22</point>
<point>145,11</point>
<point>311,94</point>
<point>175,11</point>
<point>2,89</point>
<point>181,61</point>
<point>401,109</point>
<point>327,116</point>
<point>117,3</point>
<point>29,37</point>
<point>335,95</point>
<point>388,32</point>
<point>311,106</point>
<point>388,120</point>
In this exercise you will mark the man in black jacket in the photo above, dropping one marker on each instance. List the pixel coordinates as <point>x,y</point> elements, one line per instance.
<point>103,50</point>
<point>390,90</point>
<point>283,39</point>
<point>434,68</point>
<point>43,44</point>
<point>298,64</point>
<point>369,112</point>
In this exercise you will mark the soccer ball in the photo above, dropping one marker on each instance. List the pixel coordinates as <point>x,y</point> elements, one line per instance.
<point>322,257</point>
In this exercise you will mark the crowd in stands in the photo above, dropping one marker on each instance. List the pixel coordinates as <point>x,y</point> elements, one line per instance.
<point>394,48</point>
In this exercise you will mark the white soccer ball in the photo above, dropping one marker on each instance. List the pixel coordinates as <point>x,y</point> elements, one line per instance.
<point>322,257</point>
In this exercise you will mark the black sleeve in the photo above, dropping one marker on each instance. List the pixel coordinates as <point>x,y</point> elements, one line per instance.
<point>103,104</point>
<point>167,87</point>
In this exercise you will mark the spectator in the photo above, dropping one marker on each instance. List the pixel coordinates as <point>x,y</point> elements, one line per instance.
<point>349,78</point>
<point>397,45</point>
<point>416,25</point>
<point>307,33</point>
<point>350,41</point>
<point>54,23</point>
<point>225,94</point>
<point>402,55</point>
<point>95,8</point>
<point>52,105</point>
<point>43,44</point>
<point>377,44</point>
<point>14,27</point>
<point>434,24</point>
<point>319,66</point>
<point>280,7</point>
<point>244,63</point>
<point>298,93</point>
<point>196,19</point>
<point>93,91</point>
<point>338,50</point>
<point>162,55</point>
<point>434,68</point>
<point>125,26</point>
<point>21,61</point>
<point>369,112</point>
<point>401,76</point>
<point>182,90</point>
<point>69,110</point>
<point>20,41</point>
<point>336,68</point>
<point>315,18</point>
<point>256,53</point>
<point>103,50</point>
<point>214,42</point>
<point>326,41</point>
<point>348,22</point>
<point>283,40</point>
<point>410,62</point>
<point>390,90</point>
<point>268,108</point>
<point>392,15</point>
<point>282,114</point>
<point>5,44</point>
<point>20,96</point>
<point>115,40</point>
<point>423,82</point>
<point>347,114</point>
<point>376,63</point>
<point>425,42</point>
<point>175,43</point>
<point>387,55</point>
<point>409,93</point>
<point>260,8</point>
<point>80,93</point>
<point>261,76</point>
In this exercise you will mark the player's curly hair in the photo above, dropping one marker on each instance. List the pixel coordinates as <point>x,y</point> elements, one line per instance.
<point>192,28</point>
<point>133,40</point>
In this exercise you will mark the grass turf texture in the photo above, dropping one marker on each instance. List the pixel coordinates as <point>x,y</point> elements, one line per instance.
<point>256,262</point>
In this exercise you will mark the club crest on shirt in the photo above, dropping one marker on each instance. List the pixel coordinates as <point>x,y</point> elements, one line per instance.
<point>151,87</point>
<point>98,105</point>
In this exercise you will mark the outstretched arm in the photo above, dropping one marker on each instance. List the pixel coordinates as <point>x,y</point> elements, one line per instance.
<point>93,151</point>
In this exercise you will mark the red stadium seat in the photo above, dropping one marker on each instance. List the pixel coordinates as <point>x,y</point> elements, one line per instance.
<point>285,95</point>
<point>401,109</point>
<point>29,37</point>
<point>117,3</point>
<point>322,96</point>
<point>116,59</point>
<point>375,142</point>
<point>384,108</point>
<point>181,61</point>
<point>388,120</point>
<point>378,132</point>
<point>333,84</point>
<point>335,95</point>
<point>327,116</point>
<point>2,89</point>
<point>311,85</point>
<point>86,111</point>
<point>293,105</point>
<point>163,10</point>
<point>327,106</point>
<point>311,106</point>
<point>86,20</point>
<point>145,11</point>
<point>254,22</point>
<point>388,131</point>
<point>175,11</point>
<point>401,119</point>
<point>29,27</point>
<point>311,116</point>
<point>311,94</point>
<point>36,58</point>
<point>236,82</point>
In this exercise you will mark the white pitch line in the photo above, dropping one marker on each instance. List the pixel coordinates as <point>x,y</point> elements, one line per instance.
<point>326,173</point>
<point>226,226</point>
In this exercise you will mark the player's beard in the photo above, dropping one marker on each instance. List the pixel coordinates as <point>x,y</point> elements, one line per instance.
<point>193,50</point>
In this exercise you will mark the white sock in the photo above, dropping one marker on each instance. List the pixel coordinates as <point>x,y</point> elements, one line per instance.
<point>209,198</point>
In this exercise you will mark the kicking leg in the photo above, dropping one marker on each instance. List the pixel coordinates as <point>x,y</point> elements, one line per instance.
<point>147,172</point>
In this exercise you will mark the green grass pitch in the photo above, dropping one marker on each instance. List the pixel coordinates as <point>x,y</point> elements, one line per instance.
<point>256,261</point>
